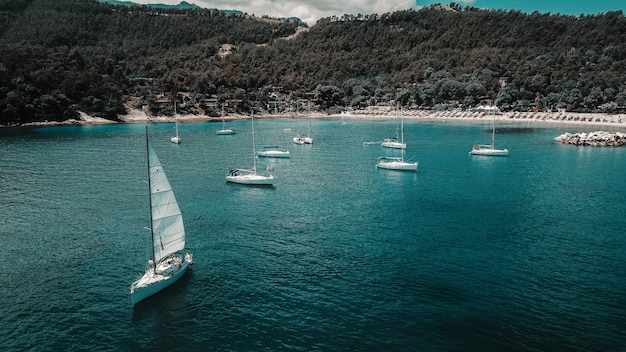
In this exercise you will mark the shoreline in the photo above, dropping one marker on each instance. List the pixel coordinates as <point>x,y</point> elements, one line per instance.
<point>564,119</point>
<point>540,118</point>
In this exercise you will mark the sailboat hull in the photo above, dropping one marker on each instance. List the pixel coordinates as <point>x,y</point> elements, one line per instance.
<point>489,149</point>
<point>152,283</point>
<point>397,165</point>
<point>303,140</point>
<point>393,144</point>
<point>273,153</point>
<point>225,131</point>
<point>489,152</point>
<point>251,179</point>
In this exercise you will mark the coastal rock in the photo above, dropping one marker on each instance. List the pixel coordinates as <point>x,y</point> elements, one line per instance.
<point>595,139</point>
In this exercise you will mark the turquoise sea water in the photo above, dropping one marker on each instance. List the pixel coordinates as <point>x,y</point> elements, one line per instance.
<point>522,253</point>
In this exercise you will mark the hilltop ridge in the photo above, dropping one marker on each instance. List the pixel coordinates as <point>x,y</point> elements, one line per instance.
<point>180,5</point>
<point>183,5</point>
<point>59,57</point>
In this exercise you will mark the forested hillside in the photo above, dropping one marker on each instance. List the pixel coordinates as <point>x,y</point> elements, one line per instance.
<point>58,57</point>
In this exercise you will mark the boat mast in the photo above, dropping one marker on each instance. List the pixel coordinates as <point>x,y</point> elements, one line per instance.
<point>253,146</point>
<point>402,138</point>
<point>297,124</point>
<point>223,123</point>
<point>397,132</point>
<point>493,132</point>
<point>150,200</point>
<point>308,109</point>
<point>175,119</point>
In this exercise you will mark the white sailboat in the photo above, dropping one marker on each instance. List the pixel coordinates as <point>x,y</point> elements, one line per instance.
<point>298,138</point>
<point>176,138</point>
<point>395,163</point>
<point>273,152</point>
<point>392,142</point>
<point>225,130</point>
<point>250,176</point>
<point>303,138</point>
<point>168,264</point>
<point>489,149</point>
<point>308,139</point>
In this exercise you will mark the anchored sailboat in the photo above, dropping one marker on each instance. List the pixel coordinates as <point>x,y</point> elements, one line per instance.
<point>225,130</point>
<point>303,138</point>
<point>489,149</point>
<point>273,152</point>
<point>167,264</point>
<point>250,176</point>
<point>395,163</point>
<point>392,142</point>
<point>176,138</point>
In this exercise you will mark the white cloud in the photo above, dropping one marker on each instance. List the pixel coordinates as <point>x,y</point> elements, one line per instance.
<point>308,11</point>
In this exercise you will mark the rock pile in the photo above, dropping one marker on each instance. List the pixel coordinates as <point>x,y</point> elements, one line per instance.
<point>595,139</point>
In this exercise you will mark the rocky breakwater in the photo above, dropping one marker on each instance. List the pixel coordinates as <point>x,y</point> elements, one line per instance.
<point>595,139</point>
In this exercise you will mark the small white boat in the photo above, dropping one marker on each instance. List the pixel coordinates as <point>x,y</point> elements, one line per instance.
<point>393,142</point>
<point>225,130</point>
<point>273,152</point>
<point>489,149</point>
<point>250,176</point>
<point>303,138</point>
<point>167,264</point>
<point>396,164</point>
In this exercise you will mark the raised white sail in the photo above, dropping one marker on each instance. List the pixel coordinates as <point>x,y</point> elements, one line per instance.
<point>168,231</point>
<point>167,264</point>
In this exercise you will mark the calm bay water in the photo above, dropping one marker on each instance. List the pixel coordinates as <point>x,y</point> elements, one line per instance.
<point>523,253</point>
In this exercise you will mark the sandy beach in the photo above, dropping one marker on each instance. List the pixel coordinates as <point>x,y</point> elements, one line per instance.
<point>564,119</point>
<point>549,118</point>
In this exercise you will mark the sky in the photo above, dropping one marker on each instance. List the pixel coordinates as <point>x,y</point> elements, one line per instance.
<point>310,11</point>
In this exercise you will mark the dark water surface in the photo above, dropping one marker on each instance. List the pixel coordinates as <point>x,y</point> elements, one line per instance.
<point>522,253</point>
